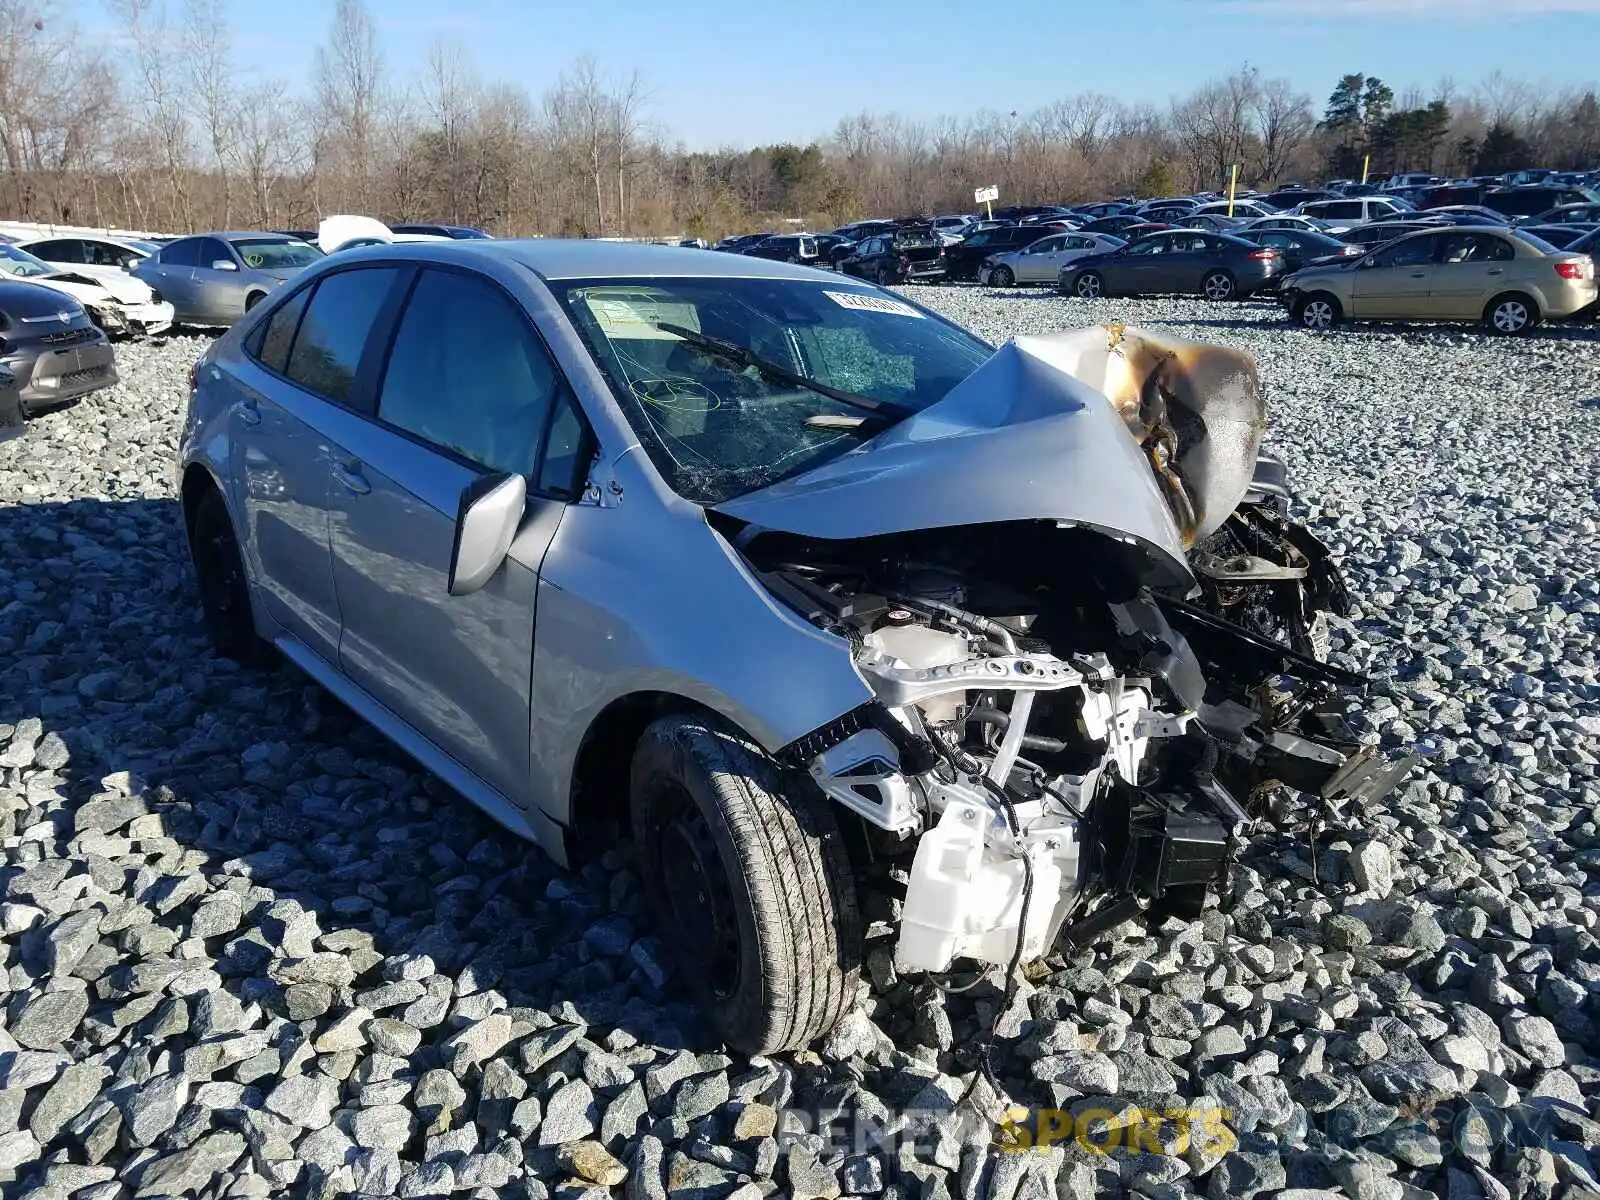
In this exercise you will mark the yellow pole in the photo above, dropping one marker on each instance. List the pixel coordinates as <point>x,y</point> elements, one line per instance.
<point>988,207</point>
<point>1233,186</point>
<point>1366,161</point>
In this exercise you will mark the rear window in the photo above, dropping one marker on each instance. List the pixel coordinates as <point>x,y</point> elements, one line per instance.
<point>1538,243</point>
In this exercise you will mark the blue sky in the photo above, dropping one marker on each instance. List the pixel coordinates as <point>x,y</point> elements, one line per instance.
<point>737,72</point>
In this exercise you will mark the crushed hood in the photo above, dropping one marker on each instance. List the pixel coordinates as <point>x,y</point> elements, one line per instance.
<point>1109,428</point>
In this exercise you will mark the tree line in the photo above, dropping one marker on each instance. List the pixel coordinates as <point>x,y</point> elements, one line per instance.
<point>165,132</point>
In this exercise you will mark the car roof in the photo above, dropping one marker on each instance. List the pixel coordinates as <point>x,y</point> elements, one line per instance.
<point>229,234</point>
<point>578,258</point>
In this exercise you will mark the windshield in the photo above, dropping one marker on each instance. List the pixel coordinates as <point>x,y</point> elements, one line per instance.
<point>21,263</point>
<point>716,428</point>
<point>275,254</point>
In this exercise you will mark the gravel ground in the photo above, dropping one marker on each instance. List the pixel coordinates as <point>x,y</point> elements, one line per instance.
<point>250,951</point>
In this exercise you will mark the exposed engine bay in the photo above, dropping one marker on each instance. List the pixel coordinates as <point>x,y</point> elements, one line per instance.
<point>1061,735</point>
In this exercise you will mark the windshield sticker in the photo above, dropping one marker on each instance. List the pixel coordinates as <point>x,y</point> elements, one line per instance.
<point>632,315</point>
<point>879,304</point>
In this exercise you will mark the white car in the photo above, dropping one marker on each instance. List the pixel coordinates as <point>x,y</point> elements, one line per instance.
<point>102,257</point>
<point>346,232</point>
<point>1288,221</point>
<point>1241,208</point>
<point>1340,215</point>
<point>1041,261</point>
<point>125,305</point>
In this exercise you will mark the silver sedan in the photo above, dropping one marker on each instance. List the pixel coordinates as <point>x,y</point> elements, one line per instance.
<point>761,568</point>
<point>1041,261</point>
<point>213,279</point>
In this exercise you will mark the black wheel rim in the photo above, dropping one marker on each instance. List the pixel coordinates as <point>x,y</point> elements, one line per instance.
<point>698,897</point>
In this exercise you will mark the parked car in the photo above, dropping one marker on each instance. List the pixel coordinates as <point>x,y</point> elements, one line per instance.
<point>1241,208</point>
<point>1376,233</point>
<point>1452,194</point>
<point>1107,208</point>
<point>1587,213</point>
<point>1560,236</point>
<point>831,247</point>
<point>1300,247</point>
<point>1504,278</point>
<point>1041,261</point>
<point>1215,265</point>
<point>50,347</point>
<point>1288,221</point>
<point>964,260</point>
<point>740,601</point>
<point>1287,198</point>
<point>1461,214</point>
<point>907,255</point>
<point>1524,202</point>
<point>740,242</point>
<point>122,305</point>
<point>1118,224</point>
<point>1212,222</point>
<point>215,278</point>
<point>800,248</point>
<point>458,232</point>
<point>1350,212</point>
<point>1411,179</point>
<point>102,257</point>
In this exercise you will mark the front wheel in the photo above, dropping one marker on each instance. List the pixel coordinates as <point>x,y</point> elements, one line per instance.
<point>1002,277</point>
<point>1318,311</point>
<point>1090,286</point>
<point>1512,313</point>
<point>748,877</point>
<point>1218,285</point>
<point>885,277</point>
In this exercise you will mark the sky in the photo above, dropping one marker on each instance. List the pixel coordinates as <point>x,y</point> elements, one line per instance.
<point>742,72</point>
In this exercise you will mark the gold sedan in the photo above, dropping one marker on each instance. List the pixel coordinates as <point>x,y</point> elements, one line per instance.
<point>1508,279</point>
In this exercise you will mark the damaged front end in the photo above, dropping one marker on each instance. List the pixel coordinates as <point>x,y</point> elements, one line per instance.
<point>1093,658</point>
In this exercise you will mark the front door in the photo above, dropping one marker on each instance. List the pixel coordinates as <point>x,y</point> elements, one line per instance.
<point>468,388</point>
<point>171,272</point>
<point>291,406</point>
<point>1394,282</point>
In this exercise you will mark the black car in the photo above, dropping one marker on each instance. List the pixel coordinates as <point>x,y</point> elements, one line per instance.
<point>457,232</point>
<point>1300,247</point>
<point>908,254</point>
<point>831,247</point>
<point>1216,265</point>
<point>1562,237</point>
<point>858,231</point>
<point>1375,233</point>
<point>1525,202</point>
<point>740,242</point>
<point>964,258</point>
<point>798,248</point>
<point>1108,208</point>
<point>1568,214</point>
<point>1113,224</point>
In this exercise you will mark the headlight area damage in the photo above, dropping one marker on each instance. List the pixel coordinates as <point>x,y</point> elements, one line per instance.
<point>1093,655</point>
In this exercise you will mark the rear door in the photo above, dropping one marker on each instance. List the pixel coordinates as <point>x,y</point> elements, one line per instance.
<point>1470,269</point>
<point>294,401</point>
<point>468,389</point>
<point>1397,282</point>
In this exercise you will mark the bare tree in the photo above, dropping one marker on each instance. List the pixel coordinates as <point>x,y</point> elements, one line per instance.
<point>267,147</point>
<point>349,81</point>
<point>157,83</point>
<point>209,72</point>
<point>1284,121</point>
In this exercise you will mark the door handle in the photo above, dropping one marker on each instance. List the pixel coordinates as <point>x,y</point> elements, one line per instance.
<point>1497,270</point>
<point>349,474</point>
<point>250,411</point>
<point>1419,274</point>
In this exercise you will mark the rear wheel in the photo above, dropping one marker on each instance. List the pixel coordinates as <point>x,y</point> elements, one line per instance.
<point>748,877</point>
<point>1002,277</point>
<point>1318,311</point>
<point>1090,285</point>
<point>885,277</point>
<point>1219,285</point>
<point>1511,313</point>
<point>224,590</point>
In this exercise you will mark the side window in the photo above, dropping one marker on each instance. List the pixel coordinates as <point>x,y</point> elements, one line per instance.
<point>1409,253</point>
<point>62,250</point>
<point>212,251</point>
<point>183,253</point>
<point>468,374</point>
<point>104,254</point>
<point>343,309</point>
<point>277,333</point>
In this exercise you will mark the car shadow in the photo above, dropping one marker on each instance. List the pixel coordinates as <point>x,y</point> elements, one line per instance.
<point>267,786</point>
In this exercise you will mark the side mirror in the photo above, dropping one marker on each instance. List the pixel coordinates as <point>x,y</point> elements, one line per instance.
<point>487,517</point>
<point>223,264</point>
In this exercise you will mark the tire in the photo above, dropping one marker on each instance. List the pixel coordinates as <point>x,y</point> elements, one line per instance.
<point>750,881</point>
<point>1091,285</point>
<point>1511,313</point>
<point>1219,286</point>
<point>253,299</point>
<point>1318,311</point>
<point>1002,277</point>
<point>885,277</point>
<point>224,588</point>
